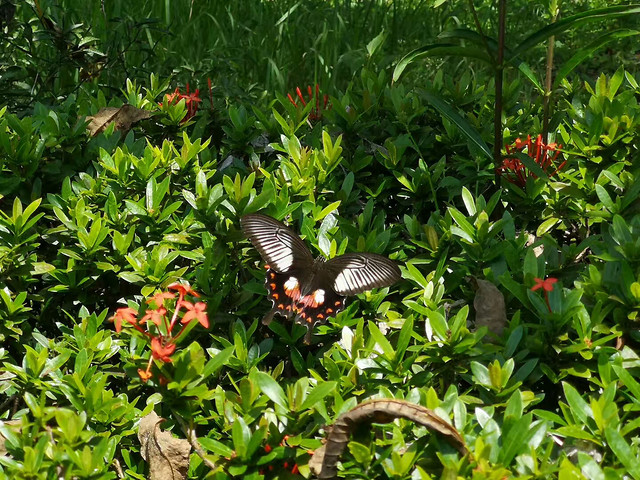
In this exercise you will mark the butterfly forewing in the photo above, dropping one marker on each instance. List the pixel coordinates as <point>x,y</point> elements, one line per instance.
<point>354,273</point>
<point>281,248</point>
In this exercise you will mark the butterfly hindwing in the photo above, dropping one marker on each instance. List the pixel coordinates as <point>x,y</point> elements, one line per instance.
<point>354,273</point>
<point>308,310</point>
<point>281,248</point>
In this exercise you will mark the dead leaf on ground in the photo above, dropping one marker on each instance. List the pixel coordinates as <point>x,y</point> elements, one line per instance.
<point>324,460</point>
<point>168,457</point>
<point>124,117</point>
<point>489,306</point>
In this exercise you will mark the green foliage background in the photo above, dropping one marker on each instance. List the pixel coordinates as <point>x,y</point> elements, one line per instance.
<point>401,168</point>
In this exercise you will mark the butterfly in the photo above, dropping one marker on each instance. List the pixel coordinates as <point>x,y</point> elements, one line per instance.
<point>307,289</point>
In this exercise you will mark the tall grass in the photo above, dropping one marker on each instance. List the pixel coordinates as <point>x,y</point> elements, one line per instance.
<point>249,48</point>
<point>275,45</point>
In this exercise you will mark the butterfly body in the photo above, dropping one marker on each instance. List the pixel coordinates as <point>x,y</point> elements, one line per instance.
<point>306,289</point>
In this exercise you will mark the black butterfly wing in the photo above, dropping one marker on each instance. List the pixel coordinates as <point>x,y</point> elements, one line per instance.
<point>355,273</point>
<point>278,245</point>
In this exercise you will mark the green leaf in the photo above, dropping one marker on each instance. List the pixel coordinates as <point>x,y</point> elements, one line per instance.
<point>40,268</point>
<point>256,440</point>
<point>360,452</point>
<point>579,408</point>
<point>270,388</point>
<point>587,52</point>
<point>32,403</point>
<point>480,374</point>
<point>468,201</point>
<point>217,362</point>
<point>531,165</point>
<point>570,22</point>
<point>547,225</point>
<point>318,393</point>
<point>241,435</point>
<point>381,340</point>
<point>605,198</point>
<point>374,44</point>
<point>526,70</point>
<point>462,222</point>
<point>470,36</point>
<point>623,452</point>
<point>437,323</point>
<point>515,438</point>
<point>416,275</point>
<point>514,405</point>
<point>404,338</point>
<point>216,447</point>
<point>454,117</point>
<point>513,341</point>
<point>439,49</point>
<point>628,380</point>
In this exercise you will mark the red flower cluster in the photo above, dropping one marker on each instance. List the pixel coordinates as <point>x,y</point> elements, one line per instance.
<point>316,112</point>
<point>191,101</point>
<point>291,468</point>
<point>163,345</point>
<point>514,171</point>
<point>546,286</point>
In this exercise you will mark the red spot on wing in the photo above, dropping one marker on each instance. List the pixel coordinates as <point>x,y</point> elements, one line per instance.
<point>309,301</point>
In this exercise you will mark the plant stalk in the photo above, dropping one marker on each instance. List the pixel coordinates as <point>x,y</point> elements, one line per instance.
<point>546,101</point>
<point>497,119</point>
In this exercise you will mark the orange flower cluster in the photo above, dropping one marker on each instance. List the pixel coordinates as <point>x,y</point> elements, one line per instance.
<point>191,100</point>
<point>514,171</point>
<point>163,345</point>
<point>316,112</point>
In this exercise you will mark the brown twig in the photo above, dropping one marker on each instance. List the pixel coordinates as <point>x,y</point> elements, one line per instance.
<point>118,467</point>
<point>193,441</point>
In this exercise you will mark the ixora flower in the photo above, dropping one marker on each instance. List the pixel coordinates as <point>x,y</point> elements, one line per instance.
<point>191,101</point>
<point>156,327</point>
<point>316,112</point>
<point>547,286</point>
<point>545,155</point>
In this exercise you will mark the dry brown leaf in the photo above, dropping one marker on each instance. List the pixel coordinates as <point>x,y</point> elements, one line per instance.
<point>324,460</point>
<point>168,457</point>
<point>124,117</point>
<point>489,306</point>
